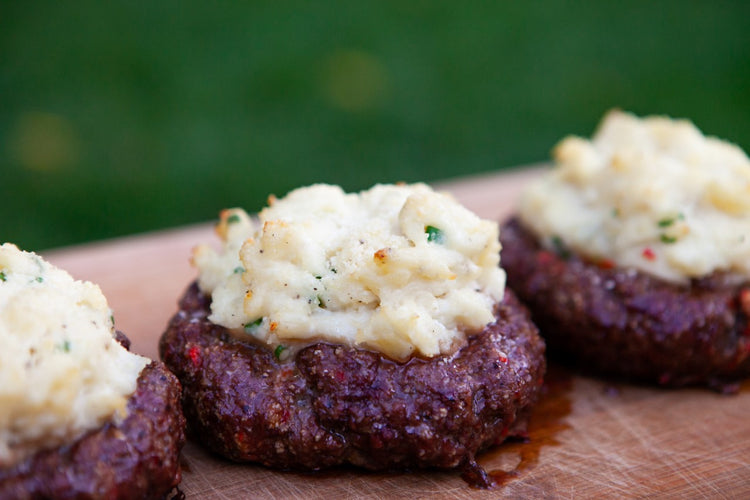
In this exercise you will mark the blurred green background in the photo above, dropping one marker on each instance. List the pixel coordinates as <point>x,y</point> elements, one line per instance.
<point>121,117</point>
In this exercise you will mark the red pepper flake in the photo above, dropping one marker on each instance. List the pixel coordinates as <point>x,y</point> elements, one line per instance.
<point>545,257</point>
<point>194,353</point>
<point>502,359</point>
<point>286,373</point>
<point>339,375</point>
<point>273,326</point>
<point>381,255</point>
<point>239,437</point>
<point>745,300</point>
<point>606,264</point>
<point>648,254</point>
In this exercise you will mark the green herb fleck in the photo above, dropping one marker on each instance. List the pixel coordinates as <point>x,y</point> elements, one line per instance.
<point>233,218</point>
<point>279,349</point>
<point>112,319</point>
<point>665,222</point>
<point>249,327</point>
<point>559,247</point>
<point>668,239</point>
<point>318,277</point>
<point>39,279</point>
<point>668,221</point>
<point>65,346</point>
<point>317,300</point>
<point>239,270</point>
<point>3,276</point>
<point>434,234</point>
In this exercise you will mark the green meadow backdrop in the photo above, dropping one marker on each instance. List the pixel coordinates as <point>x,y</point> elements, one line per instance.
<point>125,116</point>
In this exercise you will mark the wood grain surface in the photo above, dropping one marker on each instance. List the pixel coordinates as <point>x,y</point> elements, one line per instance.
<point>588,438</point>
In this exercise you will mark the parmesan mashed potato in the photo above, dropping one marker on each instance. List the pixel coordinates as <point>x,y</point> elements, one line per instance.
<point>62,372</point>
<point>652,194</point>
<point>398,268</point>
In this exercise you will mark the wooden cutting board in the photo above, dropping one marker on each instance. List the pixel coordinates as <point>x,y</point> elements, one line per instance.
<point>588,438</point>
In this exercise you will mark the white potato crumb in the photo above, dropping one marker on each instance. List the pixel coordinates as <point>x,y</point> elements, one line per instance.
<point>400,269</point>
<point>62,372</point>
<point>652,194</point>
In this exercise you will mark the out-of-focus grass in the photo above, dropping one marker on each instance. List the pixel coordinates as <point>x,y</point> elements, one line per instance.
<point>119,117</point>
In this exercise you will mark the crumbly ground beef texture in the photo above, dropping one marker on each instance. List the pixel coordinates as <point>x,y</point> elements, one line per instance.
<point>626,324</point>
<point>137,459</point>
<point>329,405</point>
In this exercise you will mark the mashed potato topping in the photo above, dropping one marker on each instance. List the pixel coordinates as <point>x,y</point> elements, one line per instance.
<point>398,268</point>
<point>653,194</point>
<point>62,373</point>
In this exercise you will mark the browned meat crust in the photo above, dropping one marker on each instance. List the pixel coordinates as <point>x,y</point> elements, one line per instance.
<point>332,405</point>
<point>137,459</point>
<point>624,323</point>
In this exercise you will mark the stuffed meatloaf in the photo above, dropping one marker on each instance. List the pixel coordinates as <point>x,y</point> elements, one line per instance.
<point>370,329</point>
<point>80,416</point>
<point>633,254</point>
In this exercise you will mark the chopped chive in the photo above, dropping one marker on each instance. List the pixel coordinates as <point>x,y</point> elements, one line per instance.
<point>249,327</point>
<point>668,239</point>
<point>279,349</point>
<point>39,279</point>
<point>668,221</point>
<point>3,277</point>
<point>434,234</point>
<point>238,270</point>
<point>559,247</point>
<point>65,346</point>
<point>318,277</point>
<point>233,218</point>
<point>321,304</point>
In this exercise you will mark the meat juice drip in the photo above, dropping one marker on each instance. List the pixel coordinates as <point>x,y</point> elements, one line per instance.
<point>520,453</point>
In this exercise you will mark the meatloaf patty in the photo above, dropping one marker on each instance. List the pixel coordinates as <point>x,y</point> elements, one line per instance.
<point>625,323</point>
<point>139,458</point>
<point>330,404</point>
